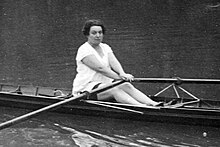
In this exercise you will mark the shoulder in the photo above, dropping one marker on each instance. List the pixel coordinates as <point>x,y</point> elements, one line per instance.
<point>84,45</point>
<point>106,47</point>
<point>84,50</point>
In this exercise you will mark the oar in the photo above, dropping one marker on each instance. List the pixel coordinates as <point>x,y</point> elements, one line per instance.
<point>177,80</point>
<point>122,104</point>
<point>55,105</point>
<point>114,107</point>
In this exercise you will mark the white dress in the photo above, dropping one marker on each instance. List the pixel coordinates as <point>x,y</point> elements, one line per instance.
<point>86,78</point>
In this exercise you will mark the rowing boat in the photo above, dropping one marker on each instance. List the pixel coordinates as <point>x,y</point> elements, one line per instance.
<point>192,111</point>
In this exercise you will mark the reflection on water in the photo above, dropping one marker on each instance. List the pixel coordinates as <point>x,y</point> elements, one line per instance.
<point>21,137</point>
<point>57,130</point>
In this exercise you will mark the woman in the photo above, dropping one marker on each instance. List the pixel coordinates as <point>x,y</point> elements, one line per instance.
<point>97,66</point>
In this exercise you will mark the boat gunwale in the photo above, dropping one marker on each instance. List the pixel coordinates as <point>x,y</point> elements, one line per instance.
<point>55,99</point>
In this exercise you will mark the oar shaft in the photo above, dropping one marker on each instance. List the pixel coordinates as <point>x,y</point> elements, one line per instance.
<point>177,80</point>
<point>55,105</point>
<point>115,107</point>
<point>34,113</point>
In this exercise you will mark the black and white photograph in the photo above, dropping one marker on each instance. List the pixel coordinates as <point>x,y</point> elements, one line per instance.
<point>110,73</point>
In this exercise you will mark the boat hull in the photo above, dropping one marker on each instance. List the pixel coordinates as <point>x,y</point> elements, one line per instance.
<point>181,115</point>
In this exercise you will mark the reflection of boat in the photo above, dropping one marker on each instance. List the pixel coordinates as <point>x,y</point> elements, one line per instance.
<point>191,110</point>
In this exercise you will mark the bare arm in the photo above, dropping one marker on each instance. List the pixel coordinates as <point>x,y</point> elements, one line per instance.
<point>92,62</point>
<point>116,66</point>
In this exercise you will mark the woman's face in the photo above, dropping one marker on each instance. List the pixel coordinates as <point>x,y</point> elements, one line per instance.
<point>95,36</point>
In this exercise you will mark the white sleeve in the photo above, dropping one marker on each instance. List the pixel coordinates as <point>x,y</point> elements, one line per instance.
<point>84,51</point>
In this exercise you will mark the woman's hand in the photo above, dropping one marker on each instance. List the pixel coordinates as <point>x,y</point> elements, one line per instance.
<point>127,77</point>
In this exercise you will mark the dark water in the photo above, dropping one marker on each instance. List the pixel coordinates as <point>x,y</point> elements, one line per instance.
<point>163,38</point>
<point>57,130</point>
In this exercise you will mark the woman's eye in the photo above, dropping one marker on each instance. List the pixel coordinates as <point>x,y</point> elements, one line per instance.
<point>93,33</point>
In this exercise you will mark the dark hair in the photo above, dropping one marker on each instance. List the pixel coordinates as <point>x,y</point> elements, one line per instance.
<point>89,23</point>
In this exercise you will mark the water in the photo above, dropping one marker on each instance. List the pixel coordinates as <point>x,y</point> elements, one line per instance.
<point>39,40</point>
<point>57,130</point>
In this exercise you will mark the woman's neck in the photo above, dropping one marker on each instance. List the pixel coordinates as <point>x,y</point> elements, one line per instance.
<point>98,49</point>
<point>94,45</point>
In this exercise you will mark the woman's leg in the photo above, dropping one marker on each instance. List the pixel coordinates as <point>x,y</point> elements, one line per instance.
<point>119,95</point>
<point>137,94</point>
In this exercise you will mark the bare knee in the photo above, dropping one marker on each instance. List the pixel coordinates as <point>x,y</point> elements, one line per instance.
<point>109,94</point>
<point>114,91</point>
<point>126,86</point>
